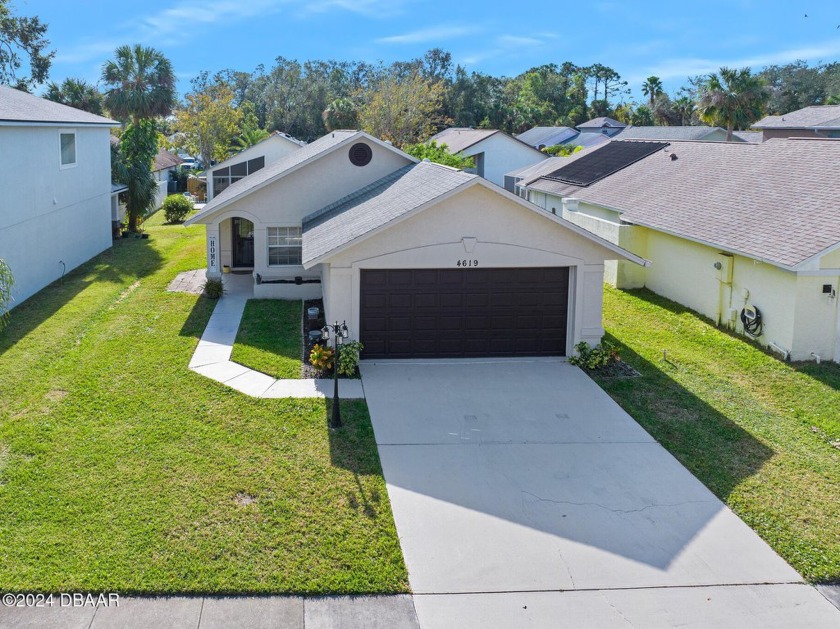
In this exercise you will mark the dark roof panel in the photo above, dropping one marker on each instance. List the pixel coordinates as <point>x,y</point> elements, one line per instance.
<point>604,161</point>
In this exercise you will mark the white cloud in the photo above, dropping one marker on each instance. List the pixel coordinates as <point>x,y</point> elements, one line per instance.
<point>512,41</point>
<point>682,68</point>
<point>433,33</point>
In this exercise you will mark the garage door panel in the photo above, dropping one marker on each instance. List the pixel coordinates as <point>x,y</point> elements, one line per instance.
<point>429,313</point>
<point>426,300</point>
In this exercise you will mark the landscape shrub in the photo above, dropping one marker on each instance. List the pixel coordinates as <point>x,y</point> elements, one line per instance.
<point>214,289</point>
<point>348,358</point>
<point>594,357</point>
<point>321,357</point>
<point>176,207</point>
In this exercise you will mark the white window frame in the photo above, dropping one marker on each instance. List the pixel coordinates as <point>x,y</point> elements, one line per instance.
<point>269,246</point>
<point>75,162</point>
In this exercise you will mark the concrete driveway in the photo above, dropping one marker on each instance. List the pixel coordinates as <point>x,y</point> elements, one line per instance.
<point>525,497</point>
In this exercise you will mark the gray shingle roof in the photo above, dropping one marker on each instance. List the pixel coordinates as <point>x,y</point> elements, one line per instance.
<point>376,205</point>
<point>777,201</point>
<point>546,136</point>
<point>18,107</point>
<point>669,133</point>
<point>814,116</point>
<point>459,138</point>
<point>286,163</point>
<point>750,136</point>
<point>600,122</point>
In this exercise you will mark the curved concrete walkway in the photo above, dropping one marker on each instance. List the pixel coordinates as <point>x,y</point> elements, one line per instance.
<point>212,356</point>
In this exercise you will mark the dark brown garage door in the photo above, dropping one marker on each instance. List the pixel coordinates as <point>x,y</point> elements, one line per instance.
<point>446,313</point>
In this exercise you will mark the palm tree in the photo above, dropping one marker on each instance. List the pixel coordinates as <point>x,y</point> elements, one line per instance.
<point>249,137</point>
<point>76,93</point>
<point>652,87</point>
<point>684,107</point>
<point>340,114</point>
<point>140,83</point>
<point>732,98</point>
<point>140,86</point>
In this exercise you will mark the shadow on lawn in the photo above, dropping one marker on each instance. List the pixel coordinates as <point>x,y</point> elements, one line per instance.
<point>126,260</point>
<point>826,372</point>
<point>710,444</point>
<point>353,448</point>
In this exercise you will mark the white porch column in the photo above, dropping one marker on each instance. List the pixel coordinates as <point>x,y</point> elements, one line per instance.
<point>214,252</point>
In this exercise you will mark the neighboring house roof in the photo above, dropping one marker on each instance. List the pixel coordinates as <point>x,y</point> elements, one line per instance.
<point>816,116</point>
<point>458,139</point>
<point>587,140</point>
<point>670,133</point>
<point>776,201</point>
<point>276,135</point>
<point>539,169</point>
<point>601,121</point>
<point>546,136</point>
<point>286,165</point>
<point>20,108</point>
<point>750,136</point>
<point>397,195</point>
<point>164,159</point>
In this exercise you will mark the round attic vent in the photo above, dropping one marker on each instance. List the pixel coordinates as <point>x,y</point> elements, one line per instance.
<point>360,154</point>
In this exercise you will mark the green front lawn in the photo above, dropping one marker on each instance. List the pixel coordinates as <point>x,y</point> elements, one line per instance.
<point>269,338</point>
<point>121,470</point>
<point>761,434</point>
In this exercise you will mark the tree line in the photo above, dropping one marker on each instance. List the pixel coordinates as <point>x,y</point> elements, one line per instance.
<point>404,102</point>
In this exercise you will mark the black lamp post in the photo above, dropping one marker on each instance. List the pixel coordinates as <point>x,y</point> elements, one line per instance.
<point>340,332</point>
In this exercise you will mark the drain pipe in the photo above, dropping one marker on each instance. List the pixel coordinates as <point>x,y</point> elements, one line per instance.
<point>779,349</point>
<point>816,357</point>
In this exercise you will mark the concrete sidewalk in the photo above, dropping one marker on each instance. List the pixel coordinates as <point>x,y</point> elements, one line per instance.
<point>274,612</point>
<point>212,355</point>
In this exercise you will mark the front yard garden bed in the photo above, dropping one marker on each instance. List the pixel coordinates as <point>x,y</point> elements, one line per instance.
<point>760,433</point>
<point>121,470</point>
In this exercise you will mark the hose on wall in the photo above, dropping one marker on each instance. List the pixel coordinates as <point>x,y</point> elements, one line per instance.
<point>752,326</point>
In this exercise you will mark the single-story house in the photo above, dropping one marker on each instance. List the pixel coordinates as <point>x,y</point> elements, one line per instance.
<point>163,166</point>
<point>817,121</point>
<point>540,137</point>
<point>55,174</point>
<point>494,152</point>
<point>274,147</point>
<point>745,234</point>
<point>420,259</point>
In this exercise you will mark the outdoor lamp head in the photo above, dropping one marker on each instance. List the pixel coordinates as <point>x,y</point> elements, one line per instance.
<point>325,333</point>
<point>344,331</point>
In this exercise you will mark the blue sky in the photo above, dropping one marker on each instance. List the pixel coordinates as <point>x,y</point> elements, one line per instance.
<point>670,39</point>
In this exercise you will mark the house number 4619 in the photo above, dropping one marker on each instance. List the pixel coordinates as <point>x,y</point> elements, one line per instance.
<point>467,263</point>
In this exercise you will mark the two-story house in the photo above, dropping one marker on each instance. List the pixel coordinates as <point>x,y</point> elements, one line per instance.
<point>55,174</point>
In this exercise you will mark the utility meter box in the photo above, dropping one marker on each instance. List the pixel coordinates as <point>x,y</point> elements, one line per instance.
<point>724,265</point>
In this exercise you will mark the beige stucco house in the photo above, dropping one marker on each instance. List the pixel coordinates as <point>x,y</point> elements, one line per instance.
<point>730,229</point>
<point>420,260</point>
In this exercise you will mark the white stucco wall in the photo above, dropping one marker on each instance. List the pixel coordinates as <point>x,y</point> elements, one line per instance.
<point>507,235</point>
<point>50,214</point>
<point>272,149</point>
<point>285,202</point>
<point>503,154</point>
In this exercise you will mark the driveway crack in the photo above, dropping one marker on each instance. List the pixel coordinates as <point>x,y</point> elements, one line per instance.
<point>611,509</point>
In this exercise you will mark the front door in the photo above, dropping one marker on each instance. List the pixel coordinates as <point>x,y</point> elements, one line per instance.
<point>243,242</point>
